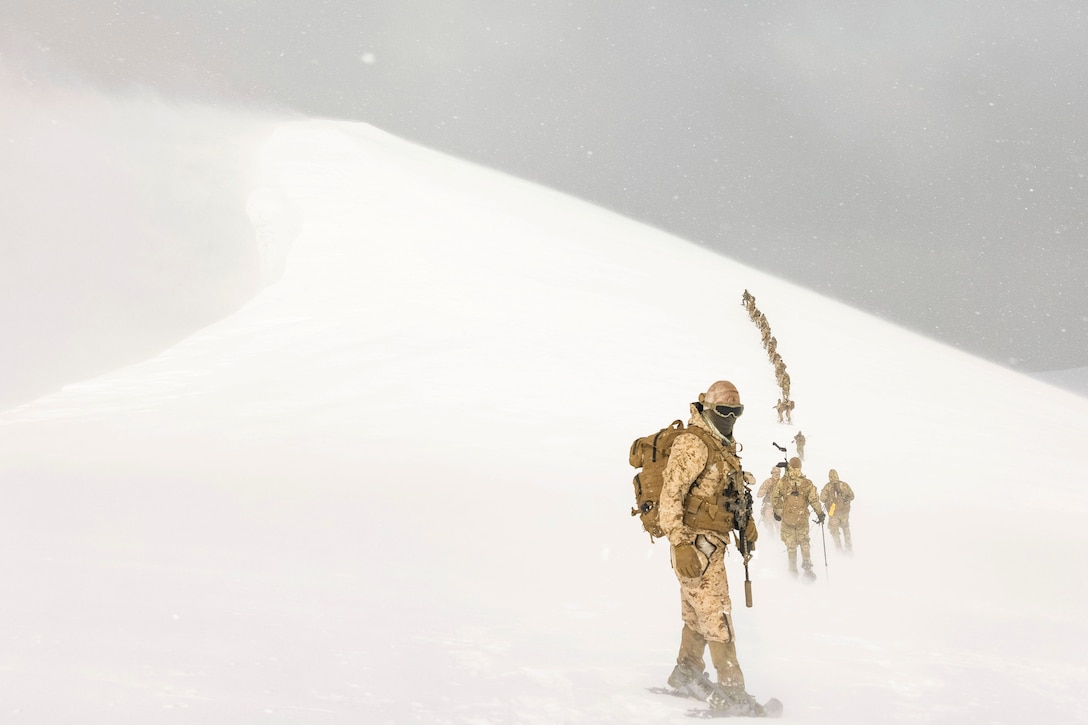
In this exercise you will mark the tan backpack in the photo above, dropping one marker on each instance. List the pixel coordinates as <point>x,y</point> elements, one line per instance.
<point>651,455</point>
<point>794,506</point>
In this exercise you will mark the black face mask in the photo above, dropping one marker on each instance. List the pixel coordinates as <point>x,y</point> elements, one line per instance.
<point>723,417</point>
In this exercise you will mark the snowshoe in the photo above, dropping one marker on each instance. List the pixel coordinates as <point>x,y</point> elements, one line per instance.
<point>687,682</point>
<point>735,702</point>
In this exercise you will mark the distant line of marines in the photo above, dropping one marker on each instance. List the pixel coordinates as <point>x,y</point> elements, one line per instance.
<point>770,344</point>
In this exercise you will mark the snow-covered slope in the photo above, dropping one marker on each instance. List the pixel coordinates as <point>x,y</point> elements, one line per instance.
<point>393,487</point>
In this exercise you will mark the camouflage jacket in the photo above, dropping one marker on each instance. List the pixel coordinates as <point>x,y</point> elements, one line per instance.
<point>838,493</point>
<point>803,486</point>
<point>766,489</point>
<point>687,460</point>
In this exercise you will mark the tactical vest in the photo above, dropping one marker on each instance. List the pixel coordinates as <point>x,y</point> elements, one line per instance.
<point>715,513</point>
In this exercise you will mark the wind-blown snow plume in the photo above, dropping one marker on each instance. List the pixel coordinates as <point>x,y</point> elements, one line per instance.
<point>125,228</point>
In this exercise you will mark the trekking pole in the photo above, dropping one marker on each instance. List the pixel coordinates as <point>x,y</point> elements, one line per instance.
<point>823,539</point>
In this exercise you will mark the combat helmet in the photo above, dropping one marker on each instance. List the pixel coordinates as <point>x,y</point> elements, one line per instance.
<point>722,392</point>
<point>720,407</point>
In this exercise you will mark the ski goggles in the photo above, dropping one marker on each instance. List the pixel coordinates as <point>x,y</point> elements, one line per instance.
<point>724,411</point>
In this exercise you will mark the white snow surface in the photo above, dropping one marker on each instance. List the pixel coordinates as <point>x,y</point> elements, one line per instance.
<point>393,488</point>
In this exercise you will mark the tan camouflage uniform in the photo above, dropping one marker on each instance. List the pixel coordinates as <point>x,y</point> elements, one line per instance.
<point>838,493</point>
<point>704,600</point>
<point>784,383</point>
<point>766,511</point>
<point>779,368</point>
<point>795,534</point>
<point>785,408</point>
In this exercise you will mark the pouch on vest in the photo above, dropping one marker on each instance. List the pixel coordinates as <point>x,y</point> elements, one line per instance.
<point>708,515</point>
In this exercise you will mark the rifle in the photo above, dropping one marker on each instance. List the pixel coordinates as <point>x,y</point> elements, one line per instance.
<point>742,515</point>
<point>784,463</point>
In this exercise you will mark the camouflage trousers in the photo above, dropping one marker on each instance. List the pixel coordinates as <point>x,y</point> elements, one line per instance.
<point>794,537</point>
<point>704,600</point>
<point>839,526</point>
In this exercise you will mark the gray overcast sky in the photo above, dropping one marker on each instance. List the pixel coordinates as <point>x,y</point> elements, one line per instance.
<point>926,161</point>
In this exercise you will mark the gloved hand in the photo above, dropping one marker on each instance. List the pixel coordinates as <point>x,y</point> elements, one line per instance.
<point>686,561</point>
<point>777,517</point>
<point>820,518</point>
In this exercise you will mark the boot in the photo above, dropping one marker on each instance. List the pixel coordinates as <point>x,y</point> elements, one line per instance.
<point>724,657</point>
<point>691,683</point>
<point>792,553</point>
<point>729,696</point>
<point>692,646</point>
<point>809,574</point>
<point>688,677</point>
